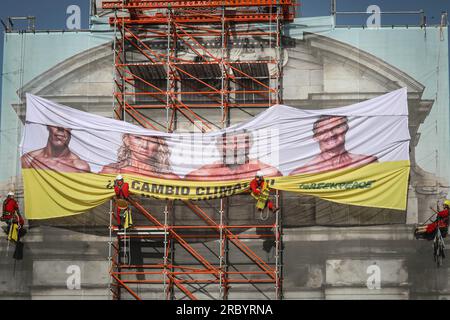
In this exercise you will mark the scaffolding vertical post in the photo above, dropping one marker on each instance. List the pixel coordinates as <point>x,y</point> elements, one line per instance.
<point>277,257</point>
<point>172,250</point>
<point>168,71</point>
<point>114,76</point>
<point>222,282</point>
<point>119,269</point>
<point>222,68</point>
<point>110,244</point>
<point>222,274</point>
<point>226,248</point>
<point>270,49</point>
<point>279,56</point>
<point>124,111</point>
<point>226,122</point>
<point>278,228</point>
<point>166,249</point>
<point>123,88</point>
<point>278,250</point>
<point>165,262</point>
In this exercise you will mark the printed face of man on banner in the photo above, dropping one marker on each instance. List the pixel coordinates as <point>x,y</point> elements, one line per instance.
<point>56,155</point>
<point>330,133</point>
<point>235,162</point>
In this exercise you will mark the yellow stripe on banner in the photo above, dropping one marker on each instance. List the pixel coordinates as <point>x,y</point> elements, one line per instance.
<point>381,185</point>
<point>50,194</point>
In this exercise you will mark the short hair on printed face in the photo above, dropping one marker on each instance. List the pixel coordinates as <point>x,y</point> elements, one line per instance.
<point>323,118</point>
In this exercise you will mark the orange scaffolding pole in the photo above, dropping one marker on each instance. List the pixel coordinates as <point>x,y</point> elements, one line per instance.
<point>182,4</point>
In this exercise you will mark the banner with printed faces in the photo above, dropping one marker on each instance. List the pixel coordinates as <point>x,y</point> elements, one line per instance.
<point>357,154</point>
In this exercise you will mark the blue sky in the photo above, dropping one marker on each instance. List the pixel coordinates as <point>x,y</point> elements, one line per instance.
<point>51,14</point>
<point>432,8</point>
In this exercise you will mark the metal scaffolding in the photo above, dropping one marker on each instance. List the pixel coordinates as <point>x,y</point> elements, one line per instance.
<point>174,60</point>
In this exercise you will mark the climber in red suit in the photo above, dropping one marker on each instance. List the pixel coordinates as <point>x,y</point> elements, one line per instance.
<point>257,185</point>
<point>428,231</point>
<point>121,190</point>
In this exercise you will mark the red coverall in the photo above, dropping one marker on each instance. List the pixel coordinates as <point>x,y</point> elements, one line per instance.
<point>122,192</point>
<point>442,221</point>
<point>10,206</point>
<point>256,187</point>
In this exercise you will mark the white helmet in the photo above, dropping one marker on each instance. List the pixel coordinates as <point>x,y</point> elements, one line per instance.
<point>10,194</point>
<point>119,177</point>
<point>259,174</point>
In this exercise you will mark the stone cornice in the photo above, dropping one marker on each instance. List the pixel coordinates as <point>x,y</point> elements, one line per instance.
<point>66,67</point>
<point>363,60</point>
